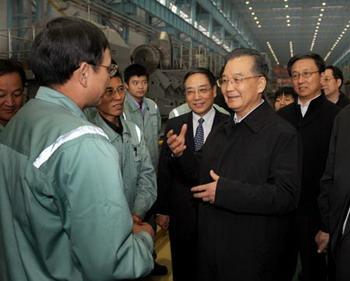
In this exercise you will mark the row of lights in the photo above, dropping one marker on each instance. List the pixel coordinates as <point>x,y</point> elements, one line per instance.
<point>250,8</point>
<point>286,5</point>
<point>341,35</point>
<point>272,52</point>
<point>291,48</point>
<point>317,27</point>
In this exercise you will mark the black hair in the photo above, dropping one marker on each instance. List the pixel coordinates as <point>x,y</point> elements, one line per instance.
<point>134,70</point>
<point>62,45</point>
<point>260,65</point>
<point>201,70</point>
<point>337,73</point>
<point>315,57</point>
<point>287,91</point>
<point>8,66</point>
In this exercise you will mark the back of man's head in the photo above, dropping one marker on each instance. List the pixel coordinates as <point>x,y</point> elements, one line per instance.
<point>134,70</point>
<point>62,45</point>
<point>8,66</point>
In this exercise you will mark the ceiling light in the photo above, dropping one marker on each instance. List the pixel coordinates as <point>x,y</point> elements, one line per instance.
<point>288,24</point>
<point>286,6</point>
<point>319,19</point>
<point>321,15</point>
<point>287,16</point>
<point>324,4</point>
<point>318,23</point>
<point>250,8</point>
<point>288,20</point>
<point>322,10</point>
<point>253,13</point>
<point>257,22</point>
<point>259,26</point>
<point>247,2</point>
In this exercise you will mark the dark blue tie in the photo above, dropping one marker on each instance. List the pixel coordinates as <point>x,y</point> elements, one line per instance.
<point>199,136</point>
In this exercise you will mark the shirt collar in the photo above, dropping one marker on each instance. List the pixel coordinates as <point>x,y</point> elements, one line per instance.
<point>53,96</point>
<point>306,104</point>
<point>134,103</point>
<point>207,117</point>
<point>236,119</point>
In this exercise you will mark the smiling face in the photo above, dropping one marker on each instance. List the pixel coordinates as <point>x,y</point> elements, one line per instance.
<point>244,88</point>
<point>307,81</point>
<point>111,104</point>
<point>199,93</point>
<point>11,96</point>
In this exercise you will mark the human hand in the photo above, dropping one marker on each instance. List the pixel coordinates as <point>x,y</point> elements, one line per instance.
<point>175,142</point>
<point>322,239</point>
<point>163,221</point>
<point>138,227</point>
<point>206,192</point>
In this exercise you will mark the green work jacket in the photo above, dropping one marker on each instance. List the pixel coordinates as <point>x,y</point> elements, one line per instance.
<point>139,177</point>
<point>63,213</point>
<point>149,122</point>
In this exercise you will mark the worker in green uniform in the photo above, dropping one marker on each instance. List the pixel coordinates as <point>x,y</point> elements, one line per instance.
<point>138,173</point>
<point>63,212</point>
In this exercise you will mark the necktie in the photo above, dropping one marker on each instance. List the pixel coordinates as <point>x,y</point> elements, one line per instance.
<point>199,136</point>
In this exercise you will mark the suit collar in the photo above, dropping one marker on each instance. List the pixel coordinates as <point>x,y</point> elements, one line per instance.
<point>255,121</point>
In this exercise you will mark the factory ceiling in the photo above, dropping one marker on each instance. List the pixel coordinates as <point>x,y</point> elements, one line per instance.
<point>286,27</point>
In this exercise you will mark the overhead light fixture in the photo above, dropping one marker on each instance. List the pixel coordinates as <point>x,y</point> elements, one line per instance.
<point>287,16</point>
<point>247,2</point>
<point>252,13</point>
<point>324,4</point>
<point>250,8</point>
<point>286,6</point>
<point>272,52</point>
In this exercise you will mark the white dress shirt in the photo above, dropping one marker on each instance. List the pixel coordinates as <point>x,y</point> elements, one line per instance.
<point>207,124</point>
<point>304,107</point>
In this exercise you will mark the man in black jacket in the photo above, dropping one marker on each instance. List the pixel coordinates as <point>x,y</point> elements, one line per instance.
<point>175,205</point>
<point>312,115</point>
<point>332,81</point>
<point>249,179</point>
<point>335,191</point>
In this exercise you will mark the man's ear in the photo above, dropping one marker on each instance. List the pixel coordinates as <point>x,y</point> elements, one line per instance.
<point>126,86</point>
<point>262,84</point>
<point>84,74</point>
<point>214,91</point>
<point>338,82</point>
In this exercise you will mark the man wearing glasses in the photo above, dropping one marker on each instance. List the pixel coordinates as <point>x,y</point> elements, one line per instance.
<point>63,212</point>
<point>249,176</point>
<point>176,207</point>
<point>331,82</point>
<point>139,176</point>
<point>312,115</point>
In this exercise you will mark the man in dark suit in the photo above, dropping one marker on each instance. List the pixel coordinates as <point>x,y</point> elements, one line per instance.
<point>312,115</point>
<point>332,81</point>
<point>175,205</point>
<point>249,175</point>
<point>335,191</point>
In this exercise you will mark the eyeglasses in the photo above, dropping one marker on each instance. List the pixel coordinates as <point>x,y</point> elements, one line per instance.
<point>327,79</point>
<point>109,92</point>
<point>200,91</point>
<point>223,82</point>
<point>305,74</point>
<point>112,68</point>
